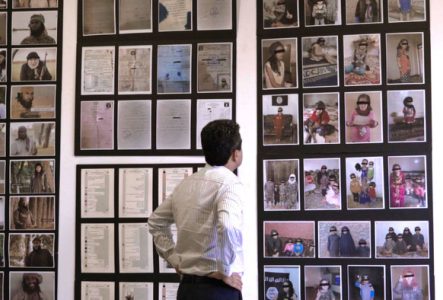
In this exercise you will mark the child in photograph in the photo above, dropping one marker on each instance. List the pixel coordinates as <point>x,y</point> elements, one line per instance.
<point>355,187</point>
<point>273,244</point>
<point>39,180</point>
<point>418,239</point>
<point>372,193</point>
<point>309,183</point>
<point>407,287</point>
<point>400,247</point>
<point>283,194</point>
<point>318,118</point>
<point>367,291</point>
<point>362,120</point>
<point>279,13</point>
<point>403,61</point>
<point>318,52</point>
<point>288,292</point>
<point>371,171</point>
<point>358,65</point>
<point>332,196</point>
<point>366,11</point>
<point>289,248</point>
<point>291,192</point>
<point>274,68</point>
<point>420,191</point>
<point>333,242</point>
<point>408,111</point>
<point>276,194</point>
<point>298,248</point>
<point>407,237</point>
<point>319,10</point>
<point>397,187</point>
<point>278,122</point>
<point>363,249</point>
<point>324,291</point>
<point>405,9</point>
<point>346,243</point>
<point>388,246</point>
<point>269,192</point>
<point>323,179</point>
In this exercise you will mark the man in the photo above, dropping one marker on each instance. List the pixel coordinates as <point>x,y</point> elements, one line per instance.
<point>38,33</point>
<point>39,257</point>
<point>23,145</point>
<point>207,210</point>
<point>34,69</point>
<point>30,288</point>
<point>22,216</point>
<point>22,107</point>
<point>333,242</point>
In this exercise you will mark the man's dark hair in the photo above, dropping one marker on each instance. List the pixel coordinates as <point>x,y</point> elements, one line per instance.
<point>219,139</point>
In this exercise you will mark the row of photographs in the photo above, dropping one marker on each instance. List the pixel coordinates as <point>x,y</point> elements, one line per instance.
<point>361,60</point>
<point>322,189</point>
<point>99,17</point>
<point>25,4</point>
<point>363,118</point>
<point>285,13</point>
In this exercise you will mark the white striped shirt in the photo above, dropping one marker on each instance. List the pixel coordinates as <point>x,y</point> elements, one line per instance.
<point>208,212</point>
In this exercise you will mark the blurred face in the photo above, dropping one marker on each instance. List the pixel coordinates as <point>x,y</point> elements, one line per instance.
<point>36,245</point>
<point>34,25</point>
<point>363,106</point>
<point>22,133</point>
<point>31,283</point>
<point>33,63</point>
<point>362,47</point>
<point>38,168</point>
<point>279,52</point>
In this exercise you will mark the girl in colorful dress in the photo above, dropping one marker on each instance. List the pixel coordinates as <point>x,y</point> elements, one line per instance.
<point>403,61</point>
<point>362,120</point>
<point>397,187</point>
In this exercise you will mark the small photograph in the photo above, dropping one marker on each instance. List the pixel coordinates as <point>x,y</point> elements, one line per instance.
<point>322,12</point>
<point>2,213</point>
<point>364,12</point>
<point>281,187</point>
<point>214,67</point>
<point>32,102</point>
<point>321,115</point>
<point>2,102</point>
<point>17,4</point>
<point>3,28</point>
<point>362,60</point>
<point>32,176</point>
<point>280,14</point>
<point>320,61</point>
<point>134,69</point>
<point>405,58</point>
<point>2,139</point>
<point>289,239</point>
<point>174,69</point>
<point>323,282</point>
<point>406,11</point>
<point>282,282</point>
<point>366,282</point>
<point>2,176</point>
<point>174,15</point>
<point>280,119</point>
<point>365,183</point>
<point>97,125</point>
<point>214,15</point>
<point>363,117</point>
<point>32,285</point>
<point>407,182</point>
<point>279,63</point>
<point>34,64</point>
<point>98,17</point>
<point>32,139</point>
<point>3,69</point>
<point>97,77</point>
<point>394,239</point>
<point>410,281</point>
<point>322,184</point>
<point>2,252</point>
<point>32,213</point>
<point>34,28</point>
<point>135,16</point>
<point>354,239</point>
<point>31,250</point>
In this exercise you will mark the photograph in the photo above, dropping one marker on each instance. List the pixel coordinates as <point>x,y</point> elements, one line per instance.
<point>363,117</point>
<point>2,101</point>
<point>97,193</point>
<point>407,181</point>
<point>209,110</point>
<point>322,184</point>
<point>406,11</point>
<point>280,120</point>
<point>3,72</point>
<point>173,128</point>
<point>168,179</point>
<point>294,239</point>
<point>2,213</point>
<point>174,69</point>
<point>366,282</point>
<point>2,139</point>
<point>214,68</point>
<point>322,12</point>
<point>32,213</point>
<point>279,63</point>
<point>320,61</point>
<point>34,64</point>
<point>2,251</point>
<point>281,188</point>
<point>174,15</point>
<point>364,12</point>
<point>97,252</point>
<point>2,176</point>
<point>3,28</point>
<point>321,118</point>
<point>214,15</point>
<point>32,139</point>
<point>353,241</point>
<point>168,290</point>
<point>3,5</point>
<point>405,62</point>
<point>394,239</point>
<point>32,102</point>
<point>323,282</point>
<point>136,290</point>
<point>365,183</point>
<point>91,290</point>
<point>135,16</point>
<point>97,77</point>
<point>279,14</point>
<point>134,69</point>
<point>410,281</point>
<point>406,116</point>
<point>97,125</point>
<point>32,285</point>
<point>282,282</point>
<point>31,250</point>
<point>135,192</point>
<point>32,176</point>
<point>98,17</point>
<point>134,124</point>
<point>34,28</point>
<point>18,4</point>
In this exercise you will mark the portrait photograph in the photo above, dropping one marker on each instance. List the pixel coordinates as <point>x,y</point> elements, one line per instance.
<point>3,5</point>
<point>363,117</point>
<point>214,15</point>
<point>97,125</point>
<point>2,102</point>
<point>2,176</point>
<point>32,102</point>
<point>280,184</point>
<point>280,120</point>
<point>279,63</point>
<point>2,250</point>
<point>322,184</point>
<point>31,250</point>
<point>365,183</point>
<point>405,62</point>
<point>410,281</point>
<point>407,182</point>
<point>3,67</point>
<point>322,12</point>
<point>3,28</point>
<point>364,12</point>
<point>344,239</point>
<point>2,213</point>
<point>290,239</point>
<point>135,16</point>
<point>2,139</point>
<point>134,69</point>
<point>32,176</point>
<point>34,284</point>
<point>406,11</point>
<point>32,213</point>
<point>174,69</point>
<point>281,282</point>
<point>402,239</point>
<point>34,64</point>
<point>279,14</point>
<point>320,61</point>
<point>34,28</point>
<point>174,15</point>
<point>32,139</point>
<point>214,67</point>
<point>406,116</point>
<point>98,17</point>
<point>19,4</point>
<point>323,282</point>
<point>366,281</point>
<point>97,75</point>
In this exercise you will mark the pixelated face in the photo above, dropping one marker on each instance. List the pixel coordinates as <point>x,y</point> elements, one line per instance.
<point>38,168</point>
<point>279,52</point>
<point>363,106</point>
<point>27,94</point>
<point>22,133</point>
<point>31,282</point>
<point>33,63</point>
<point>34,25</point>
<point>36,244</point>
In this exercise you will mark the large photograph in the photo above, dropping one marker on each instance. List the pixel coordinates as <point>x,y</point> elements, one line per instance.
<point>323,282</point>
<point>32,213</point>
<point>32,284</point>
<point>31,250</point>
<point>214,67</point>
<point>322,12</point>
<point>282,282</point>
<point>34,64</point>
<point>32,139</point>
<point>34,28</point>
<point>279,63</point>
<point>32,102</point>
<point>32,176</point>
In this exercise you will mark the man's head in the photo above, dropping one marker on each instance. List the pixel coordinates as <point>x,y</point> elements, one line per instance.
<point>22,133</point>
<point>31,282</point>
<point>37,24</point>
<point>36,243</point>
<point>22,203</point>
<point>26,96</point>
<point>33,60</point>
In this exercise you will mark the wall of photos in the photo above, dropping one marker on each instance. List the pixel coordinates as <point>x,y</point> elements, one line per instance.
<point>344,149</point>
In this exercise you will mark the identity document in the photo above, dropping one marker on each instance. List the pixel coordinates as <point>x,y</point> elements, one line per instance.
<point>135,248</point>
<point>214,67</point>
<point>134,124</point>
<point>174,124</point>
<point>134,70</point>
<point>97,193</point>
<point>92,290</point>
<point>97,248</point>
<point>97,125</point>
<point>135,192</point>
<point>97,70</point>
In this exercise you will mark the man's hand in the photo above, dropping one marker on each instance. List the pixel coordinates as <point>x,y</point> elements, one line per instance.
<point>233,281</point>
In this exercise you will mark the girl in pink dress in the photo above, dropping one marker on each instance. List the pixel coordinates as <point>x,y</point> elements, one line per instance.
<point>397,187</point>
<point>403,62</point>
<point>362,120</point>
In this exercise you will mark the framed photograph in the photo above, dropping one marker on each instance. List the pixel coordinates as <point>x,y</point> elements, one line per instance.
<point>281,281</point>
<point>293,239</point>
<point>34,64</point>
<point>2,139</point>
<point>32,176</point>
<point>214,67</point>
<point>136,290</point>
<point>32,139</point>
<point>134,124</point>
<point>3,5</point>
<point>97,193</point>
<point>168,179</point>
<point>135,16</point>
<point>174,69</point>
<point>281,187</point>
<point>32,213</point>
<point>405,62</point>
<point>135,248</point>
<point>98,17</point>
<point>97,248</point>
<point>2,102</point>
<point>135,192</point>
<point>97,75</point>
<point>173,127</point>
<point>280,14</point>
<point>279,63</point>
<point>168,290</point>
<point>320,61</point>
<point>365,183</point>
<point>19,4</point>
<point>323,281</point>
<point>2,213</point>
<point>407,182</point>
<point>363,117</point>
<point>364,12</point>
<point>321,115</point>
<point>410,281</point>
<point>322,12</point>
<point>32,102</point>
<point>366,280</point>
<point>394,239</point>
<point>134,69</point>
<point>24,284</point>
<point>3,28</point>
<point>174,15</point>
<point>209,110</point>
<point>3,72</point>
<point>2,176</point>
<point>280,120</point>
<point>97,125</point>
<point>406,11</point>
<point>101,289</point>
<point>214,15</point>
<point>344,239</point>
<point>34,27</point>
<point>31,250</point>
